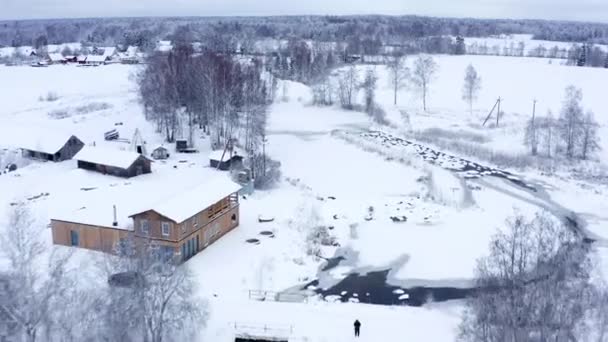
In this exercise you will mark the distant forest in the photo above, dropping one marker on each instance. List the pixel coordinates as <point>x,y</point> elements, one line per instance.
<point>366,30</point>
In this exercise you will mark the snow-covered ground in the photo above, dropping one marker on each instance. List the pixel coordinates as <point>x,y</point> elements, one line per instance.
<point>328,180</point>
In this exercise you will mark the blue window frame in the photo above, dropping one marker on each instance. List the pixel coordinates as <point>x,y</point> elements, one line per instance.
<point>75,238</point>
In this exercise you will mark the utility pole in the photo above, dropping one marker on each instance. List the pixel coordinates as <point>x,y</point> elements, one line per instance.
<point>498,113</point>
<point>534,142</point>
<point>264,154</point>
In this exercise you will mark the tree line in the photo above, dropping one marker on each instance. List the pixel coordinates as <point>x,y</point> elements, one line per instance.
<point>219,95</point>
<point>369,31</point>
<point>574,134</point>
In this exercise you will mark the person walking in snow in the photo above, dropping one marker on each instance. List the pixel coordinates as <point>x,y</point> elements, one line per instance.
<point>357,328</point>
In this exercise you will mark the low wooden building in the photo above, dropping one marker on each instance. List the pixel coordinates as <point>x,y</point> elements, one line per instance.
<point>113,162</point>
<point>51,147</point>
<point>160,153</point>
<point>225,160</point>
<point>182,225</point>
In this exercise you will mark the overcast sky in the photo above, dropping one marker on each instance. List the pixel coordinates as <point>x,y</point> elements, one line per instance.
<point>581,10</point>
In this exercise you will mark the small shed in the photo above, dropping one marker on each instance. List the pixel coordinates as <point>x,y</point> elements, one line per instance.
<point>114,162</point>
<point>225,160</point>
<point>160,153</point>
<point>51,147</point>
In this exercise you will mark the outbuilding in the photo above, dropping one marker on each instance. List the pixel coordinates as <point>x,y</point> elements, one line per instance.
<point>160,153</point>
<point>225,160</point>
<point>51,147</point>
<point>114,162</point>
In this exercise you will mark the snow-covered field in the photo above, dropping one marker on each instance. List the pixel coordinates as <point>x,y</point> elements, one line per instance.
<point>328,180</point>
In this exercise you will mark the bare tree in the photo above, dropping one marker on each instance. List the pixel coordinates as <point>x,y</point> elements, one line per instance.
<point>369,88</point>
<point>159,300</point>
<point>545,128</point>
<point>347,87</point>
<point>398,74</point>
<point>531,138</point>
<point>532,265</point>
<point>33,289</point>
<point>589,139</point>
<point>570,119</point>
<point>425,68</point>
<point>471,87</point>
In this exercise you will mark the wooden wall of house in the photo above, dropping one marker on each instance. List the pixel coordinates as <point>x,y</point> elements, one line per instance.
<point>141,162</point>
<point>203,238</point>
<point>182,230</point>
<point>154,221</point>
<point>90,237</point>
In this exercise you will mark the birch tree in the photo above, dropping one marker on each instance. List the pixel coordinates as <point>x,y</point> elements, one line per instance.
<point>425,68</point>
<point>589,139</point>
<point>398,74</point>
<point>159,302</point>
<point>35,279</point>
<point>534,285</point>
<point>571,118</point>
<point>348,83</point>
<point>471,87</point>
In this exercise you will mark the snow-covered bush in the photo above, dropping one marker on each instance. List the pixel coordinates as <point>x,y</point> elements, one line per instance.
<point>59,114</point>
<point>318,236</point>
<point>267,172</point>
<point>92,107</point>
<point>49,97</point>
<point>444,187</point>
<point>439,133</point>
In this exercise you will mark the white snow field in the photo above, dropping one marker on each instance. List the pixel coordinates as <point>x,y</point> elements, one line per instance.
<point>328,180</point>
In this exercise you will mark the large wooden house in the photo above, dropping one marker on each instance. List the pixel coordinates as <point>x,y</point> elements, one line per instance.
<point>182,225</point>
<point>113,162</point>
<point>51,147</point>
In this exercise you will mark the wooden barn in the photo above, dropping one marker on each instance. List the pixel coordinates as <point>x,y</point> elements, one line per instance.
<point>189,222</point>
<point>183,223</point>
<point>51,147</point>
<point>113,162</point>
<point>225,160</point>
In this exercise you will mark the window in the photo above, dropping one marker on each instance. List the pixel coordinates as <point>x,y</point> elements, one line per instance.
<point>166,228</point>
<point>195,221</point>
<point>144,227</point>
<point>74,238</point>
<point>233,218</point>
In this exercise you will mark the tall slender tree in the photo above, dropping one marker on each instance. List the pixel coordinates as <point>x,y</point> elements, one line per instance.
<point>425,68</point>
<point>471,87</point>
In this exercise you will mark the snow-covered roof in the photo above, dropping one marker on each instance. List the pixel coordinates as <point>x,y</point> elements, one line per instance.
<point>46,142</point>
<point>164,46</point>
<point>217,155</point>
<point>81,58</point>
<point>56,57</point>
<point>96,58</point>
<point>131,51</point>
<point>109,51</point>
<point>107,156</point>
<point>184,205</point>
